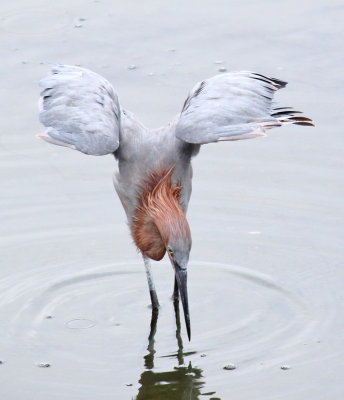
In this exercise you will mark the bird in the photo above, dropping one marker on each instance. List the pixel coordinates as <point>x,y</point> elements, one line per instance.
<point>80,110</point>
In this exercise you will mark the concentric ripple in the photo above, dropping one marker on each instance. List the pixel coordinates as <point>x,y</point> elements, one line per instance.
<point>235,309</point>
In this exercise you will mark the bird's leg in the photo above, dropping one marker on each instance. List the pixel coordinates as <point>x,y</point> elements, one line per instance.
<point>152,291</point>
<point>175,295</point>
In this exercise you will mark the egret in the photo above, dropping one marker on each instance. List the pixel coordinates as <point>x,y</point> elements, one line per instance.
<point>80,110</point>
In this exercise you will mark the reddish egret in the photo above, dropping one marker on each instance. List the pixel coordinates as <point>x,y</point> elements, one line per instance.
<point>81,111</point>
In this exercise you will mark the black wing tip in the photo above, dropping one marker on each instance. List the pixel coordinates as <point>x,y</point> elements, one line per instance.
<point>288,115</point>
<point>300,120</point>
<point>278,83</point>
<point>281,84</point>
<point>285,113</point>
<point>304,123</point>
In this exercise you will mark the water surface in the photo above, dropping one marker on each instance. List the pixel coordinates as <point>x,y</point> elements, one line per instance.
<point>265,276</point>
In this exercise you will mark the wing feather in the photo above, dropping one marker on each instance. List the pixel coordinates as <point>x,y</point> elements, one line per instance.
<point>80,110</point>
<point>233,106</point>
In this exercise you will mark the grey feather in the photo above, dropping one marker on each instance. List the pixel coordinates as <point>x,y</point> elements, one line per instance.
<point>232,106</point>
<point>80,110</point>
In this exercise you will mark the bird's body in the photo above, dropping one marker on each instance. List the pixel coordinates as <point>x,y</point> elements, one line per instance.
<point>81,110</point>
<point>144,152</point>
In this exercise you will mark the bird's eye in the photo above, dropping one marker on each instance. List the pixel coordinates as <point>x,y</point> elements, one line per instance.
<point>170,251</point>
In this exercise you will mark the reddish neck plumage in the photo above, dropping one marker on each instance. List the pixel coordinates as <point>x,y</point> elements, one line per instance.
<point>159,217</point>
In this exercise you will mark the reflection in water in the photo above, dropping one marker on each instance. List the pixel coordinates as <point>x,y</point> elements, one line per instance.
<point>149,358</point>
<point>182,383</point>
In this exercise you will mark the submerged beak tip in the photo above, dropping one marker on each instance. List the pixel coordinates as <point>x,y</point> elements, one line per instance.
<point>189,334</point>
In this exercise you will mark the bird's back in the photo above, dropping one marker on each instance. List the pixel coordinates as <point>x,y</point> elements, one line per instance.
<point>144,152</point>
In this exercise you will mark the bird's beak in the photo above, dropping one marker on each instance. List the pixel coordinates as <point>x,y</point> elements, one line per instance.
<point>181,276</point>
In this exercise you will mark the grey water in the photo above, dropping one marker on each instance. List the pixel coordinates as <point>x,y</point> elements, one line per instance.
<point>266,270</point>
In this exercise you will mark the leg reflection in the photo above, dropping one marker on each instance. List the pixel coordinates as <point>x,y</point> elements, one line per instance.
<point>149,358</point>
<point>180,383</point>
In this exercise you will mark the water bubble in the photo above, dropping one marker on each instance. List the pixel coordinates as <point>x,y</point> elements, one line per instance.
<point>43,365</point>
<point>78,22</point>
<point>229,367</point>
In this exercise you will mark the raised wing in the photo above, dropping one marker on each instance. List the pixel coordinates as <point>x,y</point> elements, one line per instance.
<point>233,106</point>
<point>80,110</point>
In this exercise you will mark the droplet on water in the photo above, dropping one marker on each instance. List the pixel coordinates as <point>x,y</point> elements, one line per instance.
<point>229,367</point>
<point>43,365</point>
<point>132,66</point>
<point>78,22</point>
